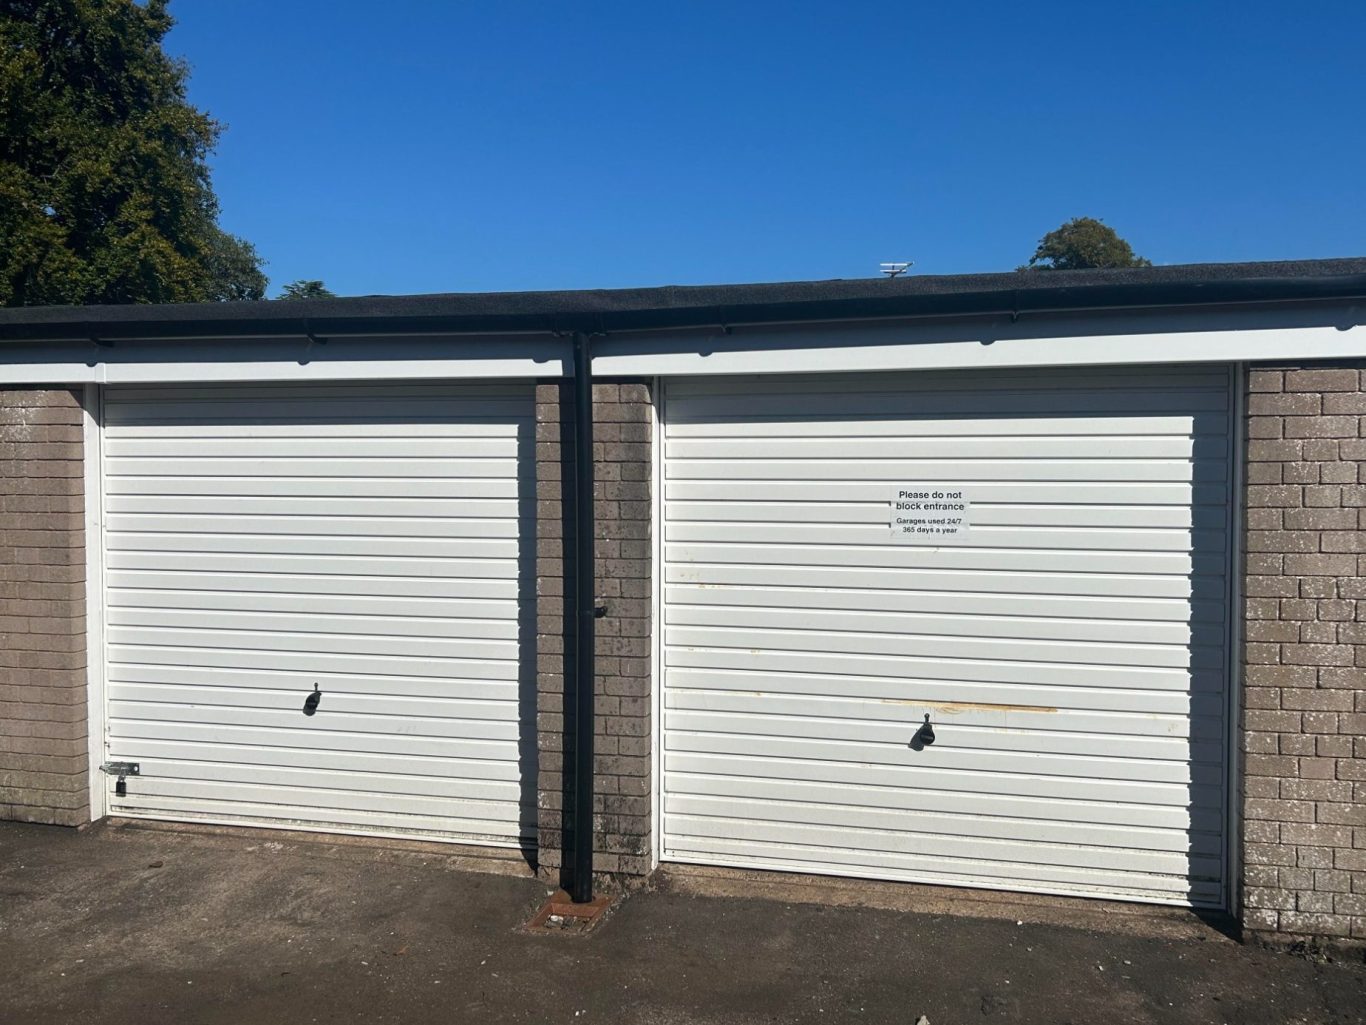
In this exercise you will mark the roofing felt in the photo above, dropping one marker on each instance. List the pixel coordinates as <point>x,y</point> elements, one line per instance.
<point>680,306</point>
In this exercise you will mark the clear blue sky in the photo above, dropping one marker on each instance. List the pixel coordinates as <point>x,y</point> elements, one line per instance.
<point>429,146</point>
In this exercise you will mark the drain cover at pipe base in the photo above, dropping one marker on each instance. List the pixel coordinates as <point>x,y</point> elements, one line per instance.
<point>560,914</point>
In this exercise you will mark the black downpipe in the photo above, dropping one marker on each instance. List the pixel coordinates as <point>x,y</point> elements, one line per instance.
<point>584,610</point>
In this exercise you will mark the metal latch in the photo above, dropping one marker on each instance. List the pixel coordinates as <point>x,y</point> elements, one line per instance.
<point>122,770</point>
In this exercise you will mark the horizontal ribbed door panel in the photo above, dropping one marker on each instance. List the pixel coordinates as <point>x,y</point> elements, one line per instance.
<point>374,540</point>
<point>1071,649</point>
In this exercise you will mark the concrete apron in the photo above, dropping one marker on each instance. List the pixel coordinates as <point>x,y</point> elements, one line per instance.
<point>127,923</point>
<point>1147,920</point>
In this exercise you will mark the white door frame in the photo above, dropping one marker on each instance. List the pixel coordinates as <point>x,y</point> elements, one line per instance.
<point>92,402</point>
<point>658,388</point>
<point>1233,705</point>
<point>1232,853</point>
<point>93,396</point>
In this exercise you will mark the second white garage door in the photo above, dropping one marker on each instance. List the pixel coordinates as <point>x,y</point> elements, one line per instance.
<point>374,542</point>
<point>1059,612</point>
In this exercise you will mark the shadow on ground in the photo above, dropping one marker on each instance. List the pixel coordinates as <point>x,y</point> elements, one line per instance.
<point>130,925</point>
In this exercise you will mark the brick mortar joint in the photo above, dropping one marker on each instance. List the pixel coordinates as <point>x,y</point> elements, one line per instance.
<point>620,513</point>
<point>43,756</point>
<point>1304,775</point>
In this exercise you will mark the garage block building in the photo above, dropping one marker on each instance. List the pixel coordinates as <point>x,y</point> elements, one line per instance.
<point>1041,581</point>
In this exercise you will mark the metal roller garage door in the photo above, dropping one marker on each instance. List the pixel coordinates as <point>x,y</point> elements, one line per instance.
<point>1068,640</point>
<point>372,540</point>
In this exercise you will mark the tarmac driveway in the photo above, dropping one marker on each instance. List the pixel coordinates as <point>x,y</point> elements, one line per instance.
<point>125,924</point>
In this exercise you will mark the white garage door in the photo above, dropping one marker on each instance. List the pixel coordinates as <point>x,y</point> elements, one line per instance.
<point>1060,618</point>
<point>374,541</point>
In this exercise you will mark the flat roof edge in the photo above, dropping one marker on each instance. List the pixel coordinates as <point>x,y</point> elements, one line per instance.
<point>627,310</point>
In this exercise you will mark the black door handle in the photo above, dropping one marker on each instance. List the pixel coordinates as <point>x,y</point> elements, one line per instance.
<point>924,736</point>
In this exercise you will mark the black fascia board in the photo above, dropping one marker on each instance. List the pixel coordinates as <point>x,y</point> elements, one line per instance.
<point>677,307</point>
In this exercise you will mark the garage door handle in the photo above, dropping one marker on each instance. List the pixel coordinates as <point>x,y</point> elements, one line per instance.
<point>924,736</point>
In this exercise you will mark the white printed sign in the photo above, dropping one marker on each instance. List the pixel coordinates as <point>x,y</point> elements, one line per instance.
<point>930,513</point>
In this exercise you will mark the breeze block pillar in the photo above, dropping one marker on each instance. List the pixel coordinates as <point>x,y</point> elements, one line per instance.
<point>43,758</point>
<point>622,509</point>
<point>1304,703</point>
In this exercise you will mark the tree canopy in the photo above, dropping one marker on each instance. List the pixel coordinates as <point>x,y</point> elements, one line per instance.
<point>1083,242</point>
<point>105,194</point>
<point>307,290</point>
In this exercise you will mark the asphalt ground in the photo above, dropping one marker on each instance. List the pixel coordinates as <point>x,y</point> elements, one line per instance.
<point>143,926</point>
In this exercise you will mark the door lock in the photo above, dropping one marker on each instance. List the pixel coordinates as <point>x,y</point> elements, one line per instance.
<point>122,770</point>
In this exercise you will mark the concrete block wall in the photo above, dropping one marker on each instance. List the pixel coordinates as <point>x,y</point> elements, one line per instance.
<point>43,760</point>
<point>1304,717</point>
<point>622,472</point>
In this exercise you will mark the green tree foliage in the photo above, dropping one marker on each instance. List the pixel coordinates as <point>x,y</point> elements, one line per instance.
<point>1083,242</point>
<point>104,183</point>
<point>307,290</point>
